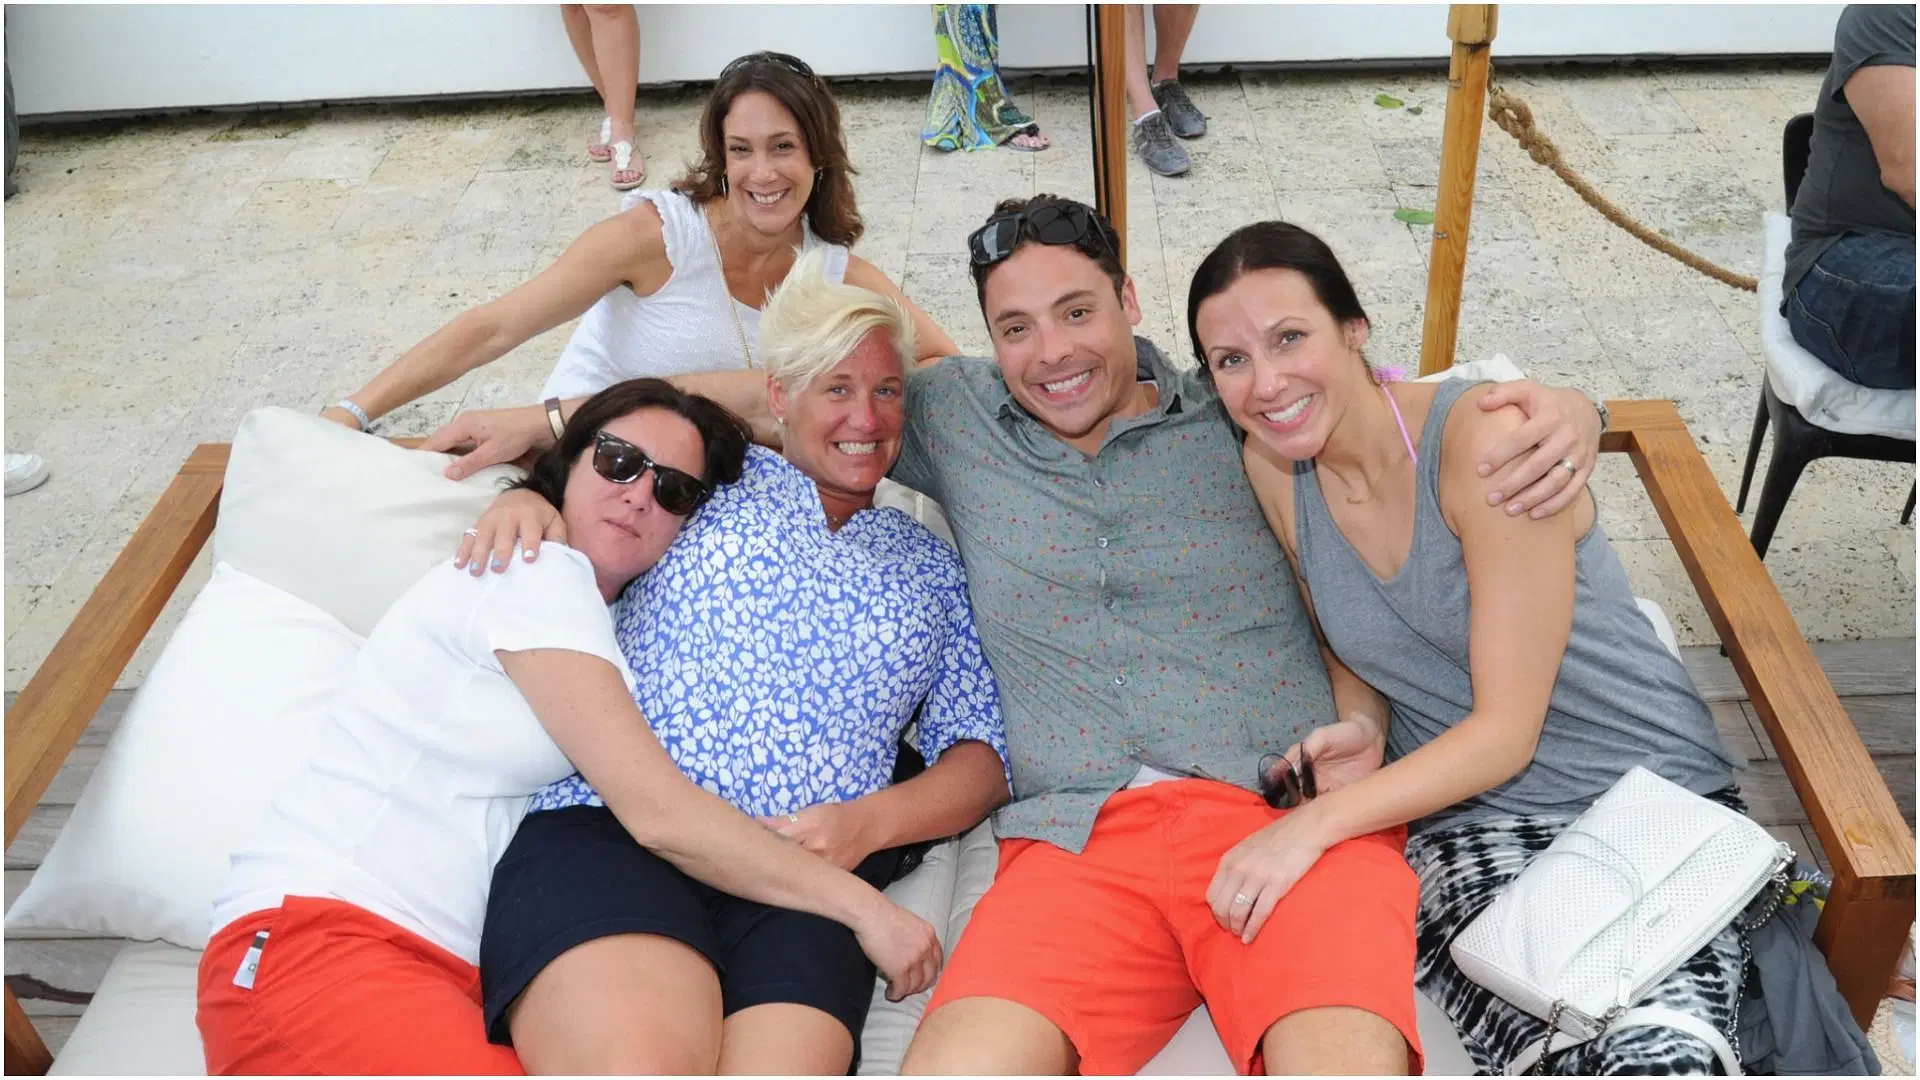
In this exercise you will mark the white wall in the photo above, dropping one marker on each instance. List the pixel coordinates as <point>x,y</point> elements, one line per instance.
<point>94,58</point>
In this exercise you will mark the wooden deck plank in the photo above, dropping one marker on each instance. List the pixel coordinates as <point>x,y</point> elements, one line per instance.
<point>1885,722</point>
<point>1855,668</point>
<point>29,849</point>
<point>1736,733</point>
<point>67,970</point>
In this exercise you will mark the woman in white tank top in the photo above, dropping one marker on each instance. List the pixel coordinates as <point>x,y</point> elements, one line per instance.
<point>673,283</point>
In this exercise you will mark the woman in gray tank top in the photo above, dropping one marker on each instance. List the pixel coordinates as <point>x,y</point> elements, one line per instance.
<point>1493,672</point>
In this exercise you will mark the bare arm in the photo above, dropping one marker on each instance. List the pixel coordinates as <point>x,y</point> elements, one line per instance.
<point>930,342</point>
<point>953,795</point>
<point>1882,97</point>
<point>603,257</point>
<point>584,705</point>
<point>1520,577</point>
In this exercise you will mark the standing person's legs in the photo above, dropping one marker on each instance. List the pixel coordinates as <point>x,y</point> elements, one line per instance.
<point>1327,985</point>
<point>1153,138</point>
<point>1854,310</point>
<point>1172,25</point>
<point>616,50</point>
<point>1139,90</point>
<point>580,36</point>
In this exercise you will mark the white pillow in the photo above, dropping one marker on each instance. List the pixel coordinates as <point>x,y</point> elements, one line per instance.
<point>345,521</point>
<point>225,717</point>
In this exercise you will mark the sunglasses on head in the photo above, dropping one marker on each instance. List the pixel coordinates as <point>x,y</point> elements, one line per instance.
<point>786,60</point>
<point>1058,225</point>
<point>621,462</point>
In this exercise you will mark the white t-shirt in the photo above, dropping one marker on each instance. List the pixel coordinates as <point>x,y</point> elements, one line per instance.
<point>423,770</point>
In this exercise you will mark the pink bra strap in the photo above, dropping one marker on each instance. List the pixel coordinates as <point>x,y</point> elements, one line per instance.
<point>1402,425</point>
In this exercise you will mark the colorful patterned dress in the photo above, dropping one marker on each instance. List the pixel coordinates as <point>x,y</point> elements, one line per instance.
<point>970,107</point>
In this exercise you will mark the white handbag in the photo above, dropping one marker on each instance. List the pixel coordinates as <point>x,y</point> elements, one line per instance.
<point>1638,883</point>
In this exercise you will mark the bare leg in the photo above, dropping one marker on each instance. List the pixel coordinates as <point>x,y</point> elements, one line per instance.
<point>1334,1041</point>
<point>632,1004</point>
<point>1172,25</point>
<point>789,1040</point>
<point>616,50</point>
<point>1139,93</point>
<point>992,1036</point>
<point>581,38</point>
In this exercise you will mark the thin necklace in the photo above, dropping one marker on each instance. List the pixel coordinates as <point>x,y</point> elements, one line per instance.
<point>726,294</point>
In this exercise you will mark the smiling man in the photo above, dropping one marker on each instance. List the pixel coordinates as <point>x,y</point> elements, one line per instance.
<point>1149,643</point>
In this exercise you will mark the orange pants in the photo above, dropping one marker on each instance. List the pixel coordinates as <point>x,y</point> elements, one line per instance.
<point>340,990</point>
<point>1116,945</point>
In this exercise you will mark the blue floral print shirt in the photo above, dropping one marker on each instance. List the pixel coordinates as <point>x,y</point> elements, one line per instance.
<point>779,661</point>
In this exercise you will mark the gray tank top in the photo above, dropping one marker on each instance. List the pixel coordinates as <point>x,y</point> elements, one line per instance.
<point>1621,698</point>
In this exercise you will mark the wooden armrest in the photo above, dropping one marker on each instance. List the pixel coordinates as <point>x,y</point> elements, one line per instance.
<point>1871,907</point>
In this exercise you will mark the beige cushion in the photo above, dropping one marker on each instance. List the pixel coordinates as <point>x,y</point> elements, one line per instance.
<point>345,521</point>
<point>141,1019</point>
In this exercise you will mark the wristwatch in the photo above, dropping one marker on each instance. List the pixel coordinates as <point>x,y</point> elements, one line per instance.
<point>1606,417</point>
<point>559,423</point>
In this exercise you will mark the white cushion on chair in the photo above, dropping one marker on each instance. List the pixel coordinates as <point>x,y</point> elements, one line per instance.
<point>1799,378</point>
<point>141,1019</point>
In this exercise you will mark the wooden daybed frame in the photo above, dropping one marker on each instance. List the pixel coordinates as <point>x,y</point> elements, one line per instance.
<point>1867,916</point>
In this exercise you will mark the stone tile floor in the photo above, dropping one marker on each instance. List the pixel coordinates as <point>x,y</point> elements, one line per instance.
<point>163,276</point>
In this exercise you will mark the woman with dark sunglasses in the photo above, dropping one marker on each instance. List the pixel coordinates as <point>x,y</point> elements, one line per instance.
<point>780,650</point>
<point>674,282</point>
<point>347,937</point>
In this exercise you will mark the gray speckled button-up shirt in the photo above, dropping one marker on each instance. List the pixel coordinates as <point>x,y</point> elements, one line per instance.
<point>1134,605</point>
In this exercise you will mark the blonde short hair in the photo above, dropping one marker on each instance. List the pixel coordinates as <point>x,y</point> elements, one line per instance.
<point>810,324</point>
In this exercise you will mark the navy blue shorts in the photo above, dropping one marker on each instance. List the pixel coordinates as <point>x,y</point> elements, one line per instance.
<point>573,875</point>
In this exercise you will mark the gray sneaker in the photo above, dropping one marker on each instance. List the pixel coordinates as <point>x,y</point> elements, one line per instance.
<point>1153,141</point>
<point>1182,115</point>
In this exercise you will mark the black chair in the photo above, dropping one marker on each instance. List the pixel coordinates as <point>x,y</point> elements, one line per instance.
<point>1797,442</point>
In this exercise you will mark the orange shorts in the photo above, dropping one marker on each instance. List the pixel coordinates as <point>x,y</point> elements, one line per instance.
<point>340,990</point>
<point>1116,945</point>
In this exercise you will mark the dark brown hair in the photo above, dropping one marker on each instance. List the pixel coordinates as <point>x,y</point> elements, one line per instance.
<point>1271,245</point>
<point>831,209</point>
<point>1103,249</point>
<point>723,436</point>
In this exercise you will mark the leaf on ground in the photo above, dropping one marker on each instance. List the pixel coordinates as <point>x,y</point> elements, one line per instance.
<point>1387,101</point>
<point>1413,217</point>
<point>1416,110</point>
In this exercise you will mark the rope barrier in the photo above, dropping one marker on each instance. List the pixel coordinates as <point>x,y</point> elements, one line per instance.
<point>1513,116</point>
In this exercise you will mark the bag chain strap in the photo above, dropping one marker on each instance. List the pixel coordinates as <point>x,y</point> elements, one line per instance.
<point>1776,895</point>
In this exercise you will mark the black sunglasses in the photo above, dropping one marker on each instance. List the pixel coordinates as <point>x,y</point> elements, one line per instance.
<point>618,460</point>
<point>1056,225</point>
<point>1283,786</point>
<point>786,60</point>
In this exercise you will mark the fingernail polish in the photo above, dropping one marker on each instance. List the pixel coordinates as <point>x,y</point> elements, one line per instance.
<point>1513,508</point>
<point>1495,497</point>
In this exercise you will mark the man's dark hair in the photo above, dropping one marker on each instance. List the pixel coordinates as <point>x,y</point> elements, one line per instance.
<point>723,436</point>
<point>1103,248</point>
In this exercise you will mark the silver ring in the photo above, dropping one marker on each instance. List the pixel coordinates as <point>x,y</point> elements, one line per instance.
<point>793,819</point>
<point>471,532</point>
<point>1567,464</point>
<point>1241,899</point>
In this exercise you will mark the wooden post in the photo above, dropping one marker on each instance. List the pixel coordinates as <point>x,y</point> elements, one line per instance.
<point>1107,26</point>
<point>1471,26</point>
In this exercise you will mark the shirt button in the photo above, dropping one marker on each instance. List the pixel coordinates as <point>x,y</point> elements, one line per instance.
<point>1119,680</point>
<point>1102,541</point>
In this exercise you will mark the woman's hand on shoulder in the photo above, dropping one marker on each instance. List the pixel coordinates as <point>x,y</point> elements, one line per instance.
<point>1499,423</point>
<point>518,518</point>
